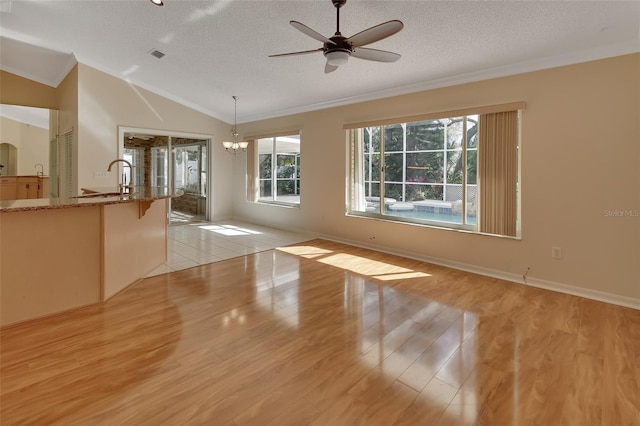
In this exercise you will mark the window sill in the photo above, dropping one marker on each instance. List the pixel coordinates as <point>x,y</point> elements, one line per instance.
<point>279,204</point>
<point>467,229</point>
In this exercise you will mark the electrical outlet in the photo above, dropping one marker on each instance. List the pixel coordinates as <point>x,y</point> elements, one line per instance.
<point>97,175</point>
<point>556,252</point>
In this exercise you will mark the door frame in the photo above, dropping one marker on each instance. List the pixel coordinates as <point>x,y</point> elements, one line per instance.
<point>122,130</point>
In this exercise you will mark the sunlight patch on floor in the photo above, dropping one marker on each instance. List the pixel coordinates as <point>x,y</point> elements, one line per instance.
<point>373,268</point>
<point>308,252</point>
<point>229,230</point>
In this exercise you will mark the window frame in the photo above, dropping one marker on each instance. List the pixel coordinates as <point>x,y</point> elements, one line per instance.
<point>355,208</point>
<point>274,179</point>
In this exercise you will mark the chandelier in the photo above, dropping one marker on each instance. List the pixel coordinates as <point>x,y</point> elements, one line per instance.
<point>234,146</point>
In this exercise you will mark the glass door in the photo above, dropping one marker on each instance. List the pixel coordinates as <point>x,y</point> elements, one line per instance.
<point>176,162</point>
<point>189,159</point>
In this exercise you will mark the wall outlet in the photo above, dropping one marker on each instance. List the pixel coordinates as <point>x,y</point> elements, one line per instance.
<point>556,252</point>
<point>97,175</point>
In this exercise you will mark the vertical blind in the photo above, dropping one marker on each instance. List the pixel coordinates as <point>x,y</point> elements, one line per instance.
<point>498,173</point>
<point>252,172</point>
<point>357,196</point>
<point>65,164</point>
<point>53,167</point>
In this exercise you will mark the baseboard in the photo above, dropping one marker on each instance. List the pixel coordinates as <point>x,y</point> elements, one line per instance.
<point>292,229</point>
<point>221,219</point>
<point>27,321</point>
<point>600,296</point>
<point>587,293</point>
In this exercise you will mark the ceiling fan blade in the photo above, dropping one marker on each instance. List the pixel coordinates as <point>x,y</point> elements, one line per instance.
<point>304,52</point>
<point>311,33</point>
<point>329,68</point>
<point>374,54</point>
<point>376,33</point>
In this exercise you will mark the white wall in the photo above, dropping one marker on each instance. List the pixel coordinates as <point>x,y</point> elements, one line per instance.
<point>580,159</point>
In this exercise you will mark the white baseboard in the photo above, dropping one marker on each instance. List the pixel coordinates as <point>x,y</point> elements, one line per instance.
<point>293,229</point>
<point>587,293</point>
<point>600,296</point>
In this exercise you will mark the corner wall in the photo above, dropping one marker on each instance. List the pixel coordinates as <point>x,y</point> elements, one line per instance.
<point>580,169</point>
<point>106,102</point>
<point>16,90</point>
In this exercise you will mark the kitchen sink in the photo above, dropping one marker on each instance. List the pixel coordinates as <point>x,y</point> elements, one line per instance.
<point>99,195</point>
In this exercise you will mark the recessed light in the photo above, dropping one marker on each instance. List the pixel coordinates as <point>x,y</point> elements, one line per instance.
<point>157,2</point>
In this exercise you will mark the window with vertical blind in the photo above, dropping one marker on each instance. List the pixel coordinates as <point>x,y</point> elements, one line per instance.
<point>457,170</point>
<point>274,169</point>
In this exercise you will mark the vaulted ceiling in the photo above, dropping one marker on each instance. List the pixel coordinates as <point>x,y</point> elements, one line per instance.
<point>217,49</point>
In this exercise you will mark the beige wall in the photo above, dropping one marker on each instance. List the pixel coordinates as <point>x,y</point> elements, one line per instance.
<point>32,143</point>
<point>15,90</point>
<point>68,106</point>
<point>107,102</point>
<point>580,159</point>
<point>94,104</point>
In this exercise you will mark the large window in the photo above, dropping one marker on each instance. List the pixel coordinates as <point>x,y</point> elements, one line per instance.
<point>279,169</point>
<point>427,171</point>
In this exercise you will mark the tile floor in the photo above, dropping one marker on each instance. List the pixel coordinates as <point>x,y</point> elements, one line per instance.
<point>199,243</point>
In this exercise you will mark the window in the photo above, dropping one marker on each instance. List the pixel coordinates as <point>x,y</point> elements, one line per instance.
<point>279,169</point>
<point>134,155</point>
<point>427,171</point>
<point>159,166</point>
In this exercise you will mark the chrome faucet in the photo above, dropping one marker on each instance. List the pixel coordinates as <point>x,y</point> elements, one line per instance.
<point>124,185</point>
<point>41,172</point>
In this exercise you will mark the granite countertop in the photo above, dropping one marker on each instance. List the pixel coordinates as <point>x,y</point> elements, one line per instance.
<point>92,197</point>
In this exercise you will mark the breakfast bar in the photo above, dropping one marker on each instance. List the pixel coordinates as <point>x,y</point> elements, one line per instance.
<point>58,254</point>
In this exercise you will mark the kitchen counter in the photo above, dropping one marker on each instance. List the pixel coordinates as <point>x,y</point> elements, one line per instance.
<point>56,256</point>
<point>91,198</point>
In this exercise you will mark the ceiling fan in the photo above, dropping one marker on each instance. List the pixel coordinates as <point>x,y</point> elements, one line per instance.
<point>338,49</point>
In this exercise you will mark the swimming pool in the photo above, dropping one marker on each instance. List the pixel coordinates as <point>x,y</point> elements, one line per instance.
<point>445,216</point>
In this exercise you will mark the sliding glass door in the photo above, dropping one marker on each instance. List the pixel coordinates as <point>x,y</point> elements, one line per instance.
<point>171,162</point>
<point>189,160</point>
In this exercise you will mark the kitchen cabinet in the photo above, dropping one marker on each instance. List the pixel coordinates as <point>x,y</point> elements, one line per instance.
<point>44,188</point>
<point>23,187</point>
<point>27,187</point>
<point>8,188</point>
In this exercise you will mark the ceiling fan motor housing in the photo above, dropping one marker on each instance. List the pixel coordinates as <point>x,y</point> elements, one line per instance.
<point>339,44</point>
<point>338,3</point>
<point>337,54</point>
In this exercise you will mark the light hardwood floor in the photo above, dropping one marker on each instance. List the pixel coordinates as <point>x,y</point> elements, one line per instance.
<point>320,333</point>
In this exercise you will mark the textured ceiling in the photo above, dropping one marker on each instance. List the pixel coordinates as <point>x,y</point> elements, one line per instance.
<point>217,49</point>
